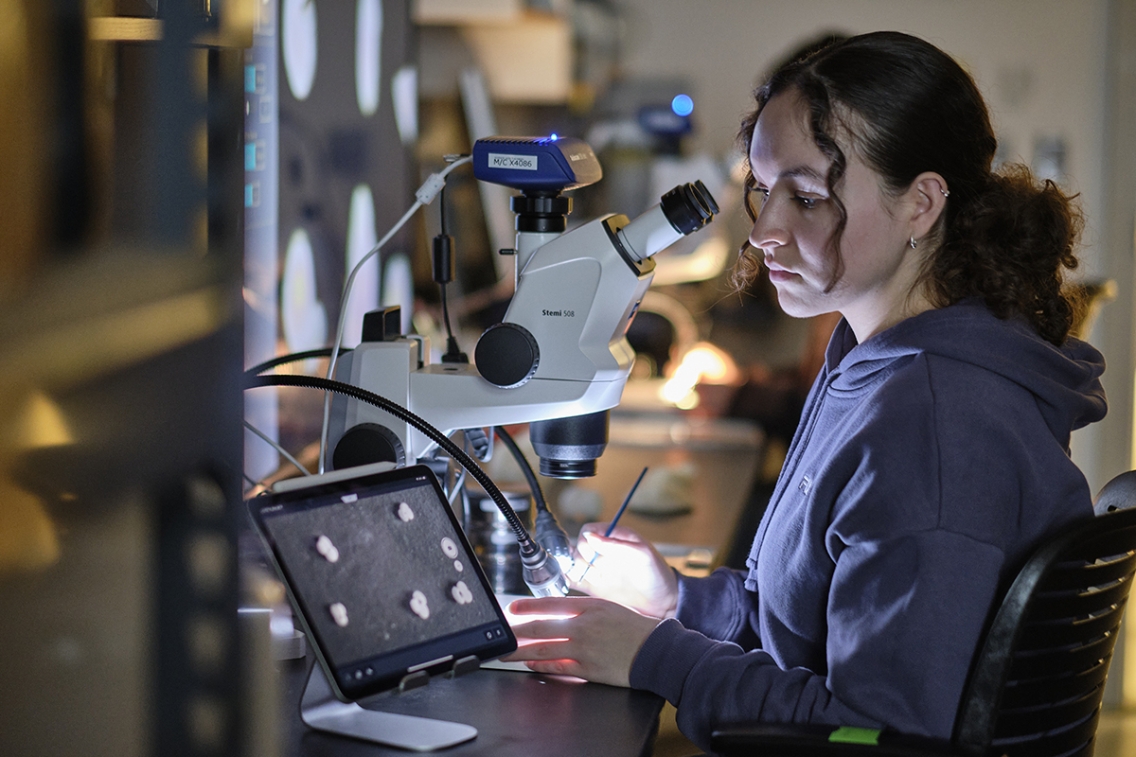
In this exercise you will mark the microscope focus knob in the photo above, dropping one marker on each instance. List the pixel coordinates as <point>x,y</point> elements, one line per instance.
<point>368,443</point>
<point>506,355</point>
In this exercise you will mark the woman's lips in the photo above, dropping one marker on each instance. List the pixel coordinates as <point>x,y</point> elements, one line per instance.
<point>778,274</point>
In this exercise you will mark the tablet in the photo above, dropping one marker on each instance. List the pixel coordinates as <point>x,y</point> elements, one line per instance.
<point>382,579</point>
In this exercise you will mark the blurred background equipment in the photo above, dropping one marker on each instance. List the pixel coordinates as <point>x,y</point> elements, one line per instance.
<point>144,143</point>
<point>120,335</point>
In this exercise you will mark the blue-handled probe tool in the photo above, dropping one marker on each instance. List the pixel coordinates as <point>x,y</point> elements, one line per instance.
<point>615,520</point>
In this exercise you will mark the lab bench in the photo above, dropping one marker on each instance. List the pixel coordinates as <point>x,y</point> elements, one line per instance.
<point>524,713</point>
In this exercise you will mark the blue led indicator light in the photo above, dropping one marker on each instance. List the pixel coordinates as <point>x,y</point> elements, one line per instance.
<point>554,137</point>
<point>682,105</point>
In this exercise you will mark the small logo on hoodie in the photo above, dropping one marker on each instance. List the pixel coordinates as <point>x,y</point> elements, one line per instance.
<point>805,485</point>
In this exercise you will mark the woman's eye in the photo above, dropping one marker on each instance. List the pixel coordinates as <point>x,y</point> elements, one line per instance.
<point>808,203</point>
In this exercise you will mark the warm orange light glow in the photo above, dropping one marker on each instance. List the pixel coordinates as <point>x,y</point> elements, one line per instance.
<point>702,364</point>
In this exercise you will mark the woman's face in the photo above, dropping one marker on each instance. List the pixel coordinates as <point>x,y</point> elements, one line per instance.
<point>796,218</point>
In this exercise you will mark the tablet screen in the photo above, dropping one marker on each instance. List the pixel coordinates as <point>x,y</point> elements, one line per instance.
<point>382,577</point>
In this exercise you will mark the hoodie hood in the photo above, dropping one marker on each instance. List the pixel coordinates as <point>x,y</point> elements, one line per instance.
<point>1065,380</point>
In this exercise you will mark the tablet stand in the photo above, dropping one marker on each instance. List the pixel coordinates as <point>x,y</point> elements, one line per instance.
<point>319,709</point>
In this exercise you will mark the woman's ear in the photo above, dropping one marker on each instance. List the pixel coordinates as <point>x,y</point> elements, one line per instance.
<point>928,196</point>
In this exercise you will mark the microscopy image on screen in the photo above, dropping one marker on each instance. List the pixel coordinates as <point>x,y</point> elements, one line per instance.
<point>379,572</point>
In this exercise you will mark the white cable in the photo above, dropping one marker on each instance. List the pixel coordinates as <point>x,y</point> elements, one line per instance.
<point>457,487</point>
<point>425,195</point>
<point>278,448</point>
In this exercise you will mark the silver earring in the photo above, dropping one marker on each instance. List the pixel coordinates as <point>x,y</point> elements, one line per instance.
<point>912,243</point>
<point>946,192</point>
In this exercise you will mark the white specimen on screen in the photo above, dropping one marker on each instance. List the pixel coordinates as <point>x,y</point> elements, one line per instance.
<point>461,593</point>
<point>449,549</point>
<point>338,614</point>
<point>405,513</point>
<point>418,605</point>
<point>458,566</point>
<point>325,547</point>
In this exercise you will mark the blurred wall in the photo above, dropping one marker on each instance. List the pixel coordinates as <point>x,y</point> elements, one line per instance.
<point>1041,64</point>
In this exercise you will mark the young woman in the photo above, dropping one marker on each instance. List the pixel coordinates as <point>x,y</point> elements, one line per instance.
<point>933,451</point>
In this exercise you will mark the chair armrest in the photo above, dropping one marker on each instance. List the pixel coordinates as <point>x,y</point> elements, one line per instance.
<point>788,740</point>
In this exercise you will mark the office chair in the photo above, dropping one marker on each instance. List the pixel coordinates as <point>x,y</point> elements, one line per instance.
<point>1037,681</point>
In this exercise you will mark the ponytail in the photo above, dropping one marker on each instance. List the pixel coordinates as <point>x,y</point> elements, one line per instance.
<point>1011,243</point>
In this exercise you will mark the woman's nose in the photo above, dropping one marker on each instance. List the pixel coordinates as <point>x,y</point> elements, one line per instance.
<point>769,229</point>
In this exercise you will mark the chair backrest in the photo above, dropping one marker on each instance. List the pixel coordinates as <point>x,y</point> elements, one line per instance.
<point>1037,683</point>
<point>1117,494</point>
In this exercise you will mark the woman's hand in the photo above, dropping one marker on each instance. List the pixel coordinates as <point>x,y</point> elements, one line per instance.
<point>627,569</point>
<point>591,638</point>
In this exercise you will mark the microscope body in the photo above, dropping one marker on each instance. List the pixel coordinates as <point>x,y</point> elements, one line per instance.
<point>560,357</point>
<point>576,295</point>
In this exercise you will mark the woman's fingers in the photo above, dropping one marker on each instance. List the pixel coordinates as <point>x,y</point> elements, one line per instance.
<point>587,637</point>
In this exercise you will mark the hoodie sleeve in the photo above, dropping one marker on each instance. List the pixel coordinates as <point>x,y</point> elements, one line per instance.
<point>719,607</point>
<point>879,621</point>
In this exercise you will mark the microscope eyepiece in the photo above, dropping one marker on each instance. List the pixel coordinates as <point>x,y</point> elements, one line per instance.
<point>689,207</point>
<point>681,211</point>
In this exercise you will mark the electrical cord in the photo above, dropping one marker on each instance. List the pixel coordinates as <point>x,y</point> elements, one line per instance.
<point>295,357</point>
<point>549,533</point>
<point>424,196</point>
<point>275,445</point>
<point>542,571</point>
<point>456,488</point>
<point>442,267</point>
<point>260,368</point>
<point>526,468</point>
<point>443,270</point>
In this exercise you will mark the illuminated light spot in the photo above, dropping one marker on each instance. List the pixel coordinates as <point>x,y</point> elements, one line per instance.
<point>41,423</point>
<point>368,54</point>
<point>302,315</point>
<point>404,99</point>
<point>361,239</point>
<point>398,286</point>
<point>682,105</point>
<point>689,402</point>
<point>703,363</point>
<point>299,45</point>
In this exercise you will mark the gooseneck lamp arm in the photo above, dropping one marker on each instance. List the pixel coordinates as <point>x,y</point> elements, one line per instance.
<point>541,572</point>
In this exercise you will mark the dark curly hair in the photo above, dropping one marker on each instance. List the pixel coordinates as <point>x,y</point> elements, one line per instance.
<point>906,107</point>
